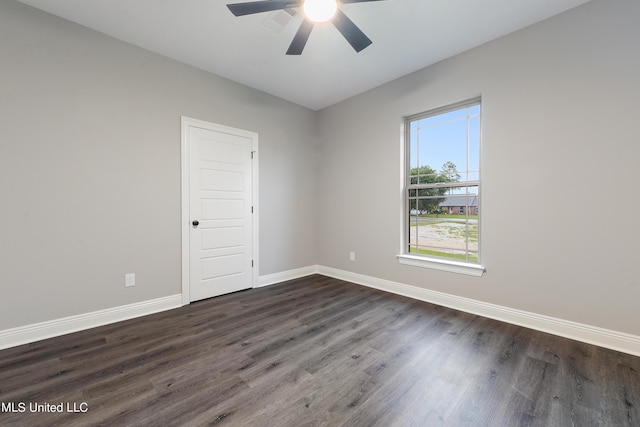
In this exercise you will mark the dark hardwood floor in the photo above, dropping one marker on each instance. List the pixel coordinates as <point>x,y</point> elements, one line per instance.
<point>317,352</point>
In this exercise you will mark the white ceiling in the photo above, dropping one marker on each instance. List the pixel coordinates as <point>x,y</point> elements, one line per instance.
<point>407,35</point>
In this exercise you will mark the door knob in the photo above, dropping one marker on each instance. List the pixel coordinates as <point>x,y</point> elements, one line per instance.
<point>195,223</point>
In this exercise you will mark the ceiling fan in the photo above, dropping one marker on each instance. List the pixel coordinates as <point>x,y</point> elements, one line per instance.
<point>315,11</point>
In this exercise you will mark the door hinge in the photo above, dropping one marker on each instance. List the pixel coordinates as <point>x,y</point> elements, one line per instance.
<point>251,263</point>
<point>252,154</point>
<point>251,209</point>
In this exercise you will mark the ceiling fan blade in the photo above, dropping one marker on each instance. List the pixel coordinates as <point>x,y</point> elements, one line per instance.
<point>249,8</point>
<point>300,39</point>
<point>354,35</point>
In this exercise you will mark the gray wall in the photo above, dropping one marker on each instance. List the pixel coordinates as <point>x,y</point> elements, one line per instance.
<point>560,168</point>
<point>90,168</point>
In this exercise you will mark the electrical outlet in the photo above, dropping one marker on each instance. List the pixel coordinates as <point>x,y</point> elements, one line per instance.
<point>129,280</point>
<point>352,256</point>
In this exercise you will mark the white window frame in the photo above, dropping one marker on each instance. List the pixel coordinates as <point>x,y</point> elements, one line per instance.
<point>424,261</point>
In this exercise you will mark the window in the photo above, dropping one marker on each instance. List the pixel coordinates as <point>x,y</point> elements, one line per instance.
<point>442,188</point>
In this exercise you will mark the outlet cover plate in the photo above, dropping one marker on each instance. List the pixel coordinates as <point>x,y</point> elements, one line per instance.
<point>129,280</point>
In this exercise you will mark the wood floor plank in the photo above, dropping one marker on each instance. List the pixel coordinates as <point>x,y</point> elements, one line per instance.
<point>318,351</point>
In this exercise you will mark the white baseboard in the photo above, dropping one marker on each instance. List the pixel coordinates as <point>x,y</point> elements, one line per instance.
<point>53,328</point>
<point>618,341</point>
<point>614,340</point>
<point>39,331</point>
<point>283,276</point>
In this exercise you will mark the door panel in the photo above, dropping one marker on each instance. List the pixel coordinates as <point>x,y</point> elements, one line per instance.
<point>222,237</point>
<point>221,202</point>
<point>216,209</point>
<point>222,180</point>
<point>219,266</point>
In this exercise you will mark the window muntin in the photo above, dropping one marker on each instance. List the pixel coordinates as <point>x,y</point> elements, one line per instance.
<point>442,186</point>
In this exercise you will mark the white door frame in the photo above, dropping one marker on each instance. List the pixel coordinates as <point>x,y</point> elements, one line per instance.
<point>186,123</point>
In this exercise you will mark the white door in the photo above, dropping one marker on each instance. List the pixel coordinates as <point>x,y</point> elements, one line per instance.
<point>220,210</point>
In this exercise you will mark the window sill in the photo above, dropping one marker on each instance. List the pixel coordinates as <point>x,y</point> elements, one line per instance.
<point>442,265</point>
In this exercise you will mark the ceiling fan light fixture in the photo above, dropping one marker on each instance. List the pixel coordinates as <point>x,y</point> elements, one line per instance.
<point>315,11</point>
<point>320,10</point>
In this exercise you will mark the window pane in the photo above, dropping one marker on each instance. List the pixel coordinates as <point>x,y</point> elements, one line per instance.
<point>441,119</point>
<point>451,232</point>
<point>444,144</point>
<point>474,143</point>
<point>413,147</point>
<point>443,220</point>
